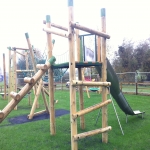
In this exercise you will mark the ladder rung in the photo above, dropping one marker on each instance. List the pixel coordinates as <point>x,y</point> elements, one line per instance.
<point>15,95</point>
<point>29,80</point>
<point>89,109</point>
<point>90,83</point>
<point>91,133</point>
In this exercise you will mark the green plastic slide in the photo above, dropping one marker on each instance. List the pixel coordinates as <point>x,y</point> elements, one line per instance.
<point>116,92</point>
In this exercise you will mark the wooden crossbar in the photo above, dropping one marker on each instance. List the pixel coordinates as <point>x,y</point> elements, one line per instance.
<point>56,26</point>
<point>39,112</point>
<point>91,133</point>
<point>89,109</point>
<point>90,83</point>
<point>24,70</point>
<point>48,30</point>
<point>83,28</point>
<point>18,48</point>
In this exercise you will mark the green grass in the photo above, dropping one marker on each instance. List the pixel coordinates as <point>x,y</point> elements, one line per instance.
<point>36,135</point>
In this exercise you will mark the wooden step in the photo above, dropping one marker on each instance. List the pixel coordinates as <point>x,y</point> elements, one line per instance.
<point>90,83</point>
<point>91,133</point>
<point>89,109</point>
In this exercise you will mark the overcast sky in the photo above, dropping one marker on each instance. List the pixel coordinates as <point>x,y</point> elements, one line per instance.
<point>125,19</point>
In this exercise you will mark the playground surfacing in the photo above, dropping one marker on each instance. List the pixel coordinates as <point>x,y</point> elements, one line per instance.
<point>23,119</point>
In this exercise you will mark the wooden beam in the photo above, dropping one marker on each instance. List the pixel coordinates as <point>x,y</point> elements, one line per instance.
<point>98,48</point>
<point>39,113</point>
<point>48,30</point>
<point>11,105</point>
<point>83,28</point>
<point>81,99</point>
<point>90,109</point>
<point>56,26</point>
<point>104,77</point>
<point>91,133</point>
<point>90,83</point>
<point>1,114</point>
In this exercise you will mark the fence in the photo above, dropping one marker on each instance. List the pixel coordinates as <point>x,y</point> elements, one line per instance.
<point>135,82</point>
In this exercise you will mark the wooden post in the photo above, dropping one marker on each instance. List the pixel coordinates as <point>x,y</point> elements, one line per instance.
<point>50,77</point>
<point>98,48</point>
<point>10,75</point>
<point>4,71</point>
<point>81,100</point>
<point>136,88</point>
<point>104,77</point>
<point>73,122</point>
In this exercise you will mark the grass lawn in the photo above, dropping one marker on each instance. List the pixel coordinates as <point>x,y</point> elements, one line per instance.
<point>36,135</point>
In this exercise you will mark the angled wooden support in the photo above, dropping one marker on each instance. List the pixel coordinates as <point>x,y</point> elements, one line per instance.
<point>91,133</point>
<point>20,53</point>
<point>45,100</point>
<point>1,114</point>
<point>39,112</point>
<point>35,100</point>
<point>42,66</point>
<point>90,83</point>
<point>29,80</point>
<point>77,26</point>
<point>15,95</point>
<point>48,30</point>
<point>56,26</point>
<point>11,105</point>
<point>90,109</point>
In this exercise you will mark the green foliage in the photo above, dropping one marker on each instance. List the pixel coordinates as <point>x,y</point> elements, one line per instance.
<point>36,134</point>
<point>131,58</point>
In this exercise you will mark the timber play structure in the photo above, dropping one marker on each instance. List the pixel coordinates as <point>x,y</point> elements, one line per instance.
<point>101,64</point>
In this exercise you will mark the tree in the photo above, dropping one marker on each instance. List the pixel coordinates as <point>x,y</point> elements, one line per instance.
<point>130,58</point>
<point>125,60</point>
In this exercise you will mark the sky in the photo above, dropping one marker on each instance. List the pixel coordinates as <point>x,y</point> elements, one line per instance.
<point>127,19</point>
